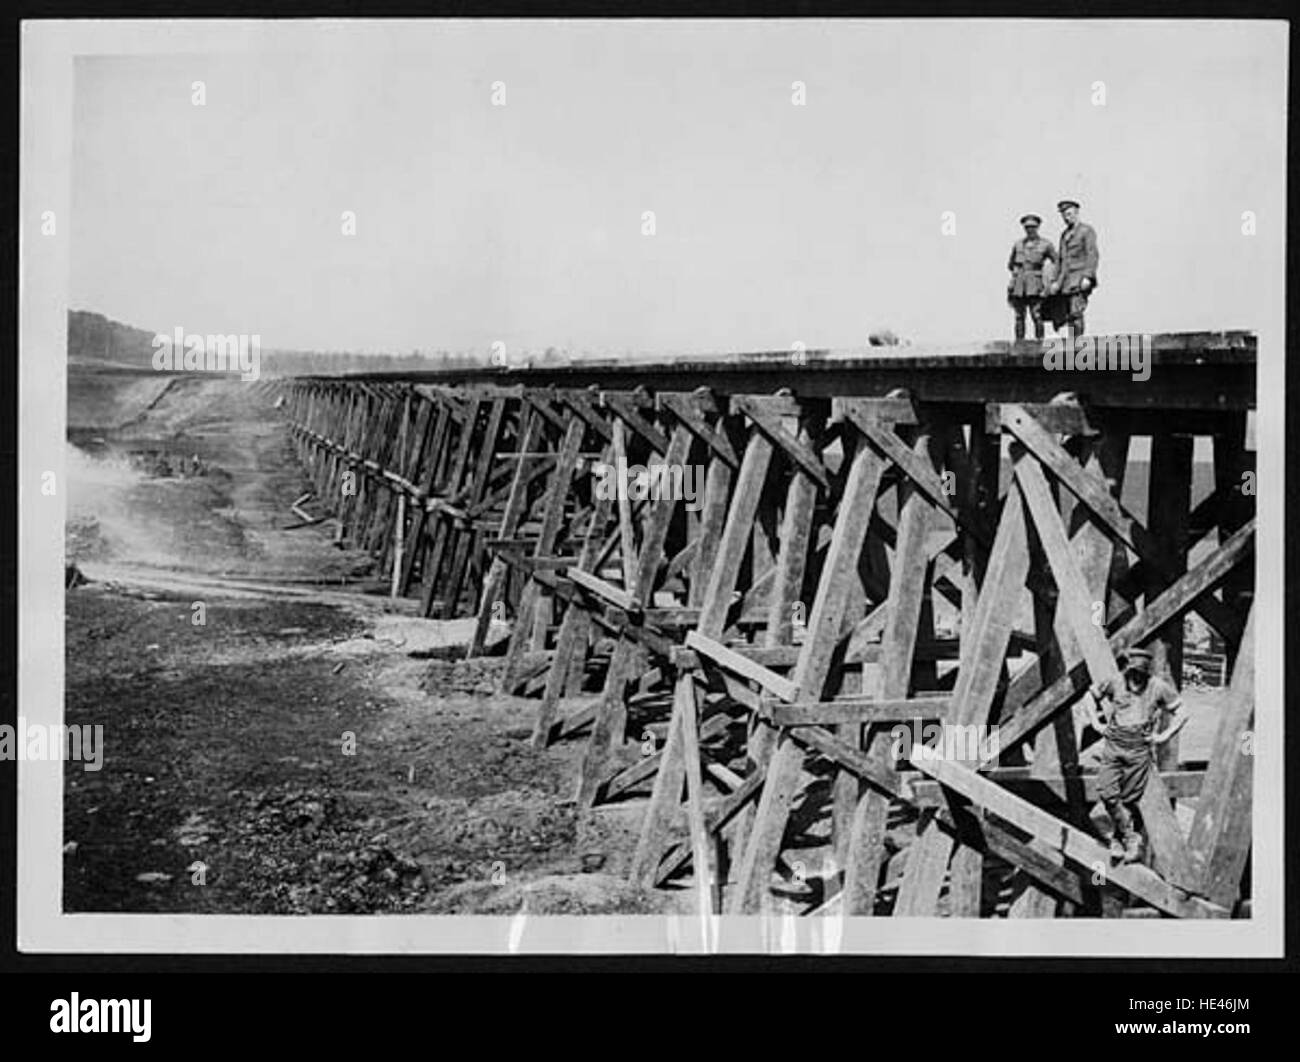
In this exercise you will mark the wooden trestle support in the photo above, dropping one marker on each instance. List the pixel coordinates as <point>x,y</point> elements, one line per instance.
<point>822,575</point>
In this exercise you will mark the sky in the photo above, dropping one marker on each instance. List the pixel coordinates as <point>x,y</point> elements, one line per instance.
<point>889,199</point>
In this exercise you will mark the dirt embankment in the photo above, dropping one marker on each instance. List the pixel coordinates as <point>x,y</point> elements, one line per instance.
<point>193,474</point>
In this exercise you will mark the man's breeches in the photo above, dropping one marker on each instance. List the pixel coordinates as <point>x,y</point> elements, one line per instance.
<point>1019,304</point>
<point>1078,303</point>
<point>1124,768</point>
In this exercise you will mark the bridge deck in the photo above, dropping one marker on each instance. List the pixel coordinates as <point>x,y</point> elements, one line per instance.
<point>1197,370</point>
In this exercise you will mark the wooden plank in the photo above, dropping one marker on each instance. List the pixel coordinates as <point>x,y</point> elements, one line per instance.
<point>741,665</point>
<point>1034,902</point>
<point>1174,601</point>
<point>1220,836</point>
<point>477,484</point>
<point>714,436</point>
<point>1167,843</point>
<point>1169,854</point>
<point>858,711</point>
<point>861,852</point>
<point>983,651</point>
<point>1169,502</point>
<point>611,715</point>
<point>1059,417</point>
<point>977,495</point>
<point>551,517</point>
<point>627,413</point>
<point>612,594</point>
<point>787,590</point>
<point>701,843</point>
<point>917,470</point>
<point>1034,857</point>
<point>1232,463</point>
<point>1056,750</point>
<point>664,800</point>
<point>581,404</point>
<point>571,642</point>
<point>794,537</point>
<point>1104,506</point>
<point>1075,600</point>
<point>627,539</point>
<point>770,425</point>
<point>443,529</point>
<point>1074,844</point>
<point>895,411</point>
<point>810,673</point>
<point>716,818</point>
<point>647,766</point>
<point>838,570</point>
<point>735,535</point>
<point>713,519</point>
<point>1029,781</point>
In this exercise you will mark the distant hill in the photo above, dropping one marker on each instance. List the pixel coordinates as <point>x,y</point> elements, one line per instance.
<point>94,338</point>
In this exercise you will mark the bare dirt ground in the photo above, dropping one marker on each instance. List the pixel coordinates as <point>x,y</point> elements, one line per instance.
<point>271,743</point>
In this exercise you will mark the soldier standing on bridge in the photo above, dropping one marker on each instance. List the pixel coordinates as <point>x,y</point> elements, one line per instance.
<point>1027,286</point>
<point>1077,261</point>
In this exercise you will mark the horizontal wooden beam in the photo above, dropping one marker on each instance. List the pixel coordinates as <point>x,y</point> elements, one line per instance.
<point>1184,784</point>
<point>1077,847</point>
<point>853,710</point>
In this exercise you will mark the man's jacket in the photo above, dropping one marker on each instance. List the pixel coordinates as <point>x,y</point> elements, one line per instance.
<point>1077,257</point>
<point>1026,265</point>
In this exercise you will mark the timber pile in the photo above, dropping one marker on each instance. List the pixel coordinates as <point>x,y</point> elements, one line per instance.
<point>878,546</point>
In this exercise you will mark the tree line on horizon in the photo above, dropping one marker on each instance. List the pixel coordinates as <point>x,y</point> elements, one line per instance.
<point>92,337</point>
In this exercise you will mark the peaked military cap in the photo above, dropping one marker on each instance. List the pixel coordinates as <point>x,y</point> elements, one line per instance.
<point>1067,203</point>
<point>1136,660</point>
<point>1031,217</point>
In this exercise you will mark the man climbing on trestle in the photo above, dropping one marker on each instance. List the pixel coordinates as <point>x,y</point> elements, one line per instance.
<point>1134,722</point>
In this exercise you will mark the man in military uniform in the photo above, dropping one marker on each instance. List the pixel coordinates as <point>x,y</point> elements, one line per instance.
<point>1027,286</point>
<point>1135,720</point>
<point>1077,263</point>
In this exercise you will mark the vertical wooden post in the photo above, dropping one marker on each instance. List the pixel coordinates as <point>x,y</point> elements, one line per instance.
<point>1234,480</point>
<point>983,648</point>
<point>1220,837</point>
<point>903,625</point>
<point>611,713</point>
<point>516,503</point>
<point>810,674</point>
<point>1170,501</point>
<point>787,591</point>
<point>558,494</point>
<point>667,791</point>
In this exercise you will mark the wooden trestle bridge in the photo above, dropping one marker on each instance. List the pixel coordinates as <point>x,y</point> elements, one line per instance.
<point>880,542</point>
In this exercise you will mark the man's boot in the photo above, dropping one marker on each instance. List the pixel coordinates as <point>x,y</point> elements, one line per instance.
<point>1133,847</point>
<point>1126,833</point>
<point>1123,827</point>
